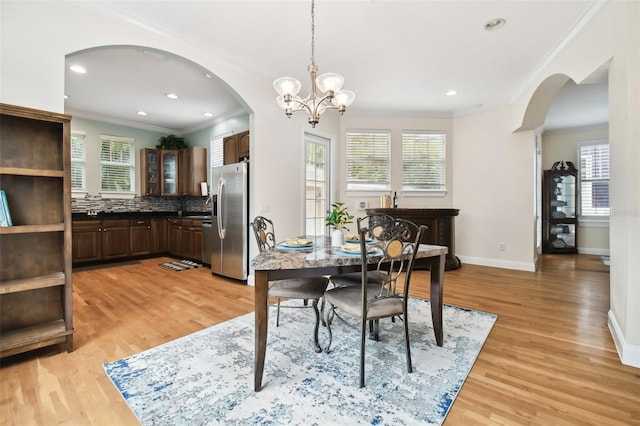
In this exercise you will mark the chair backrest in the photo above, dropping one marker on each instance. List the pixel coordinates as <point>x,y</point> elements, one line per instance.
<point>264,233</point>
<point>394,250</point>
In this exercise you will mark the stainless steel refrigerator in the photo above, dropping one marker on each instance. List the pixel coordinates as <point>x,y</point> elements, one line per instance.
<point>230,249</point>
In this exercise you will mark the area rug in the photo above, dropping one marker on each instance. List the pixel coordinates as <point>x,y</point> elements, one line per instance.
<point>206,378</point>
<point>181,265</point>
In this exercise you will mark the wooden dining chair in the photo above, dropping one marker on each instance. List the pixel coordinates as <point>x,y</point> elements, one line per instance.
<point>393,253</point>
<point>295,288</point>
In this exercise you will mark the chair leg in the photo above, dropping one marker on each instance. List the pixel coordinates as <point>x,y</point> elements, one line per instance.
<point>278,314</point>
<point>317,326</point>
<point>407,344</point>
<point>330,314</point>
<point>363,339</point>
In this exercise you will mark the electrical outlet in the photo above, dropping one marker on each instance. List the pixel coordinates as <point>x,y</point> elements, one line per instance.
<point>501,246</point>
<point>362,205</point>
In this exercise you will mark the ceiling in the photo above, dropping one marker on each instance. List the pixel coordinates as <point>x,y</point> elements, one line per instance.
<point>399,57</point>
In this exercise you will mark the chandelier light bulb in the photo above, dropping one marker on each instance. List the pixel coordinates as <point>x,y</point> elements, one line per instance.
<point>343,98</point>
<point>287,86</point>
<point>330,82</point>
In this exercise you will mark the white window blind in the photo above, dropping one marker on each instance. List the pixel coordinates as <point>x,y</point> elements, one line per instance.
<point>423,161</point>
<point>594,179</point>
<point>78,160</point>
<point>368,165</point>
<point>216,145</point>
<point>117,164</point>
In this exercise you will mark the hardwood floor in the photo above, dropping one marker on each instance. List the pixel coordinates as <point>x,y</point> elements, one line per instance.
<point>549,359</point>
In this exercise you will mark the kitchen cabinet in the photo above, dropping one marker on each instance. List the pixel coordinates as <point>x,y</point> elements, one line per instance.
<point>105,239</point>
<point>185,238</point>
<point>35,266</point>
<point>166,172</point>
<point>193,170</point>
<point>115,238</point>
<point>87,241</point>
<point>139,237</point>
<point>159,172</point>
<point>169,181</point>
<point>236,147</point>
<point>159,231</point>
<point>150,167</point>
<point>559,204</point>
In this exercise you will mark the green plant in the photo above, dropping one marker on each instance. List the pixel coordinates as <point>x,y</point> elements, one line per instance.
<point>339,216</point>
<point>171,142</point>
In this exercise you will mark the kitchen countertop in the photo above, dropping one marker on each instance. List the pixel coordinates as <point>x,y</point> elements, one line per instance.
<point>140,215</point>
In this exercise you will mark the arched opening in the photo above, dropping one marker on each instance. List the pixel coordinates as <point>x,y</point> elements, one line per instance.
<point>567,116</point>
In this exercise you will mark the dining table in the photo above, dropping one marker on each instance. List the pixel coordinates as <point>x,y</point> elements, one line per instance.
<point>321,258</point>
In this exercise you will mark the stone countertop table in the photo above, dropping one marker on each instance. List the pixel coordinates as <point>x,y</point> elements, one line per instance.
<point>322,259</point>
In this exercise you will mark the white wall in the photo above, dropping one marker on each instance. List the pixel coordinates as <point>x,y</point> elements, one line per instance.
<point>492,167</point>
<point>494,190</point>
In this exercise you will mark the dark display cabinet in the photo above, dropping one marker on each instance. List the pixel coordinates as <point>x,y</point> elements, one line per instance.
<point>559,209</point>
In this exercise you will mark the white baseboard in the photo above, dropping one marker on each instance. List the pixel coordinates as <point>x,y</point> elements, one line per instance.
<point>251,280</point>
<point>594,251</point>
<point>498,263</point>
<point>629,354</point>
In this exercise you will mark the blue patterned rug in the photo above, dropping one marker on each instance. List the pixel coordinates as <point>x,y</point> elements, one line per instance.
<point>207,377</point>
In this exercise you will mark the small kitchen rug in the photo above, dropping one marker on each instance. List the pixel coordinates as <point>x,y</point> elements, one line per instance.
<point>206,377</point>
<point>181,265</point>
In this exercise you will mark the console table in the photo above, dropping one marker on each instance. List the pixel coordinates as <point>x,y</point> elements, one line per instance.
<point>441,223</point>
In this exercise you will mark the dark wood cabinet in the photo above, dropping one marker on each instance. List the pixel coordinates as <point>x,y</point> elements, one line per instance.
<point>236,147</point>
<point>172,172</point>
<point>115,238</point>
<point>559,208</point>
<point>87,241</point>
<point>140,237</point>
<point>159,231</point>
<point>192,170</point>
<point>36,295</point>
<point>440,230</point>
<point>150,171</point>
<point>185,238</point>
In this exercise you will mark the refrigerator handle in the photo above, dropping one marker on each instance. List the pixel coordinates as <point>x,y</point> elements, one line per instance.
<point>220,203</point>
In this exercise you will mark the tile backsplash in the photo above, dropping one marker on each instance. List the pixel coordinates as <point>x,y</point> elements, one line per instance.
<point>139,204</point>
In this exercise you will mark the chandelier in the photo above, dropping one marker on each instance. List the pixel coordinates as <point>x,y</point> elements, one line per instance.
<point>324,92</point>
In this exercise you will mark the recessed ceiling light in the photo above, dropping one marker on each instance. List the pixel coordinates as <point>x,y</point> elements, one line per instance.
<point>452,92</point>
<point>172,96</point>
<point>495,24</point>
<point>208,114</point>
<point>77,68</point>
<point>66,97</point>
<point>141,113</point>
<point>208,75</point>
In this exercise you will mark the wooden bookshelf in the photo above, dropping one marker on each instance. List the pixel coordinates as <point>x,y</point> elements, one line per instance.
<point>35,253</point>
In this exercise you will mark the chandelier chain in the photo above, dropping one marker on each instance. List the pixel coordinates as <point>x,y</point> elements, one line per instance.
<point>313,33</point>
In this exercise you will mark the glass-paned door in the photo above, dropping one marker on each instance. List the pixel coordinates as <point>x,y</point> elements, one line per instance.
<point>153,186</point>
<point>317,184</point>
<point>169,172</point>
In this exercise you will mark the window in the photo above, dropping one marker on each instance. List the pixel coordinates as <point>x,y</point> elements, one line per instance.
<point>423,161</point>
<point>594,179</point>
<point>117,168</point>
<point>316,165</point>
<point>78,159</point>
<point>368,165</point>
<point>216,150</point>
